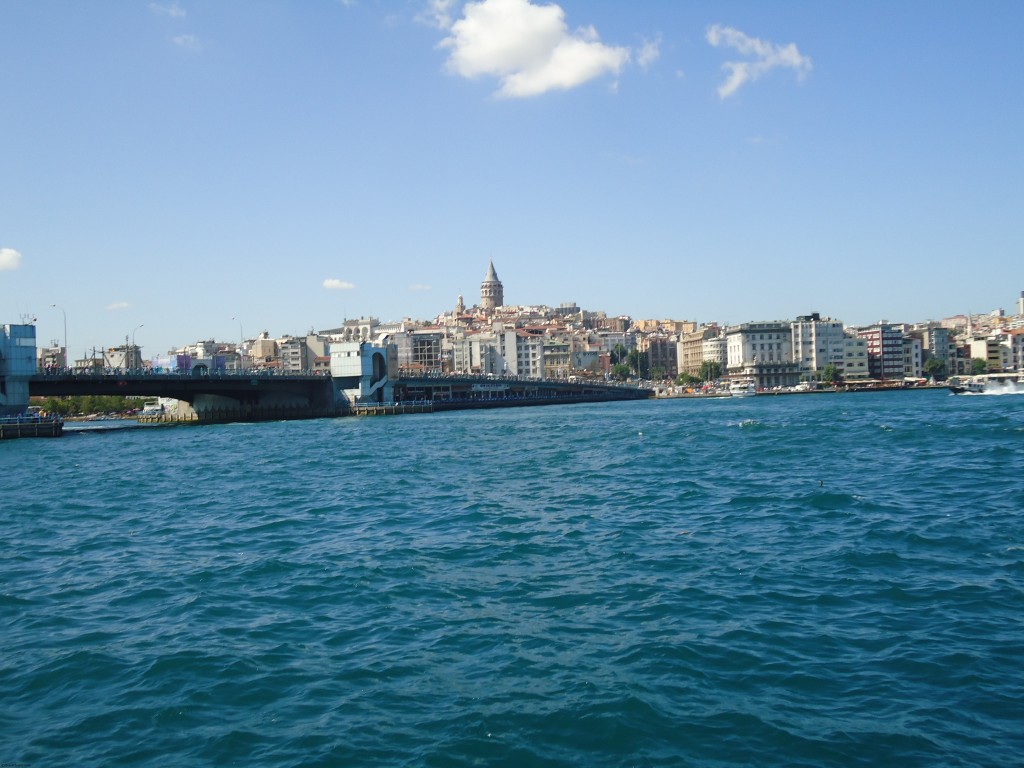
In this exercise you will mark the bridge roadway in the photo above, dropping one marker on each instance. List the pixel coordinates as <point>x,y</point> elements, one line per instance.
<point>260,396</point>
<point>209,397</point>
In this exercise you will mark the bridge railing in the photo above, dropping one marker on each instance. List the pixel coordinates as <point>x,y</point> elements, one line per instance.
<point>144,373</point>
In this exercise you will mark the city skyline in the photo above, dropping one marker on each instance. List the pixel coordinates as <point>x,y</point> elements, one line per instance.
<point>186,171</point>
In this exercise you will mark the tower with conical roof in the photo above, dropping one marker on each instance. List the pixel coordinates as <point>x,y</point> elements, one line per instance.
<point>492,294</point>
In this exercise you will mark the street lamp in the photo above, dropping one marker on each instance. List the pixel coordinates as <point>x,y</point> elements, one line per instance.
<point>241,342</point>
<point>66,364</point>
<point>134,348</point>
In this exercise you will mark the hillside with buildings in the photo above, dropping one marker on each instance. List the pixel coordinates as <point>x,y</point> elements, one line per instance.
<point>492,337</point>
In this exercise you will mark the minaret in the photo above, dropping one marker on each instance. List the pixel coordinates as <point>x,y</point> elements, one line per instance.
<point>460,306</point>
<point>492,294</point>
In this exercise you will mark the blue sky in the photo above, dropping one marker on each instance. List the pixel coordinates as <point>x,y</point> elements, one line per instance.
<point>209,169</point>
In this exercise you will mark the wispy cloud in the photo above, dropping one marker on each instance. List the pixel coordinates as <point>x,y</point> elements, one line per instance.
<point>118,305</point>
<point>334,284</point>
<point>173,10</point>
<point>9,259</point>
<point>438,13</point>
<point>187,41</point>
<point>648,53</point>
<point>527,47</point>
<point>419,287</point>
<point>766,57</point>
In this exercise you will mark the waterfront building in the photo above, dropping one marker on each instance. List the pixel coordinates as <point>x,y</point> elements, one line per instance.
<point>817,343</point>
<point>761,352</point>
<point>17,365</point>
<point>492,292</point>
<point>690,349</point>
<point>662,354</point>
<point>855,359</point>
<point>714,350</point>
<point>939,343</point>
<point>992,350</point>
<point>885,350</point>
<point>913,358</point>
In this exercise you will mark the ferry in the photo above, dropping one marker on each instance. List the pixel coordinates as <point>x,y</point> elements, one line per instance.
<point>989,384</point>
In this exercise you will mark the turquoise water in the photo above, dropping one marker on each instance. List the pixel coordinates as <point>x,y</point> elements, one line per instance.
<point>791,581</point>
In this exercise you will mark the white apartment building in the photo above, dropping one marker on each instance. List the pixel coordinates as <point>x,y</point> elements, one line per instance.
<point>761,352</point>
<point>714,350</point>
<point>817,343</point>
<point>913,358</point>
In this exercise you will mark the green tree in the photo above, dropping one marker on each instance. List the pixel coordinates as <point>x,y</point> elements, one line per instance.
<point>978,366</point>
<point>935,368</point>
<point>638,362</point>
<point>618,354</point>
<point>830,373</point>
<point>686,379</point>
<point>621,371</point>
<point>657,373</point>
<point>710,370</point>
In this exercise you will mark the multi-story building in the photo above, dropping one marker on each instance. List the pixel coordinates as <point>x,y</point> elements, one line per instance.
<point>761,353</point>
<point>661,355</point>
<point>885,350</point>
<point>521,354</point>
<point>690,349</point>
<point>127,357</point>
<point>1015,341</point>
<point>299,354</point>
<point>817,343</point>
<point>855,359</point>
<point>363,329</point>
<point>557,361</point>
<point>714,350</point>
<point>913,359</point>
<point>938,343</point>
<point>992,351</point>
<point>53,357</point>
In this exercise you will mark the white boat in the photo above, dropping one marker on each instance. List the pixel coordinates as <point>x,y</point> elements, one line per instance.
<point>990,384</point>
<point>742,389</point>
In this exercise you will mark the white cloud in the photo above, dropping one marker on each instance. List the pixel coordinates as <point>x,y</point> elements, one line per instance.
<point>187,41</point>
<point>334,284</point>
<point>648,53</point>
<point>527,47</point>
<point>173,10</point>
<point>9,259</point>
<point>419,287</point>
<point>118,305</point>
<point>438,13</point>
<point>766,56</point>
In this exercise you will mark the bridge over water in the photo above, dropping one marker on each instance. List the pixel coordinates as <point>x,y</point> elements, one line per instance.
<point>251,396</point>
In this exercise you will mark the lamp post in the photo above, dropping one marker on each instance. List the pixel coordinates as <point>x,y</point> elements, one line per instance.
<point>66,362</point>
<point>241,341</point>
<point>134,348</point>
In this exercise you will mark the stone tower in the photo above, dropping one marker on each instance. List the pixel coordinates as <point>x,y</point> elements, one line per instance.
<point>492,294</point>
